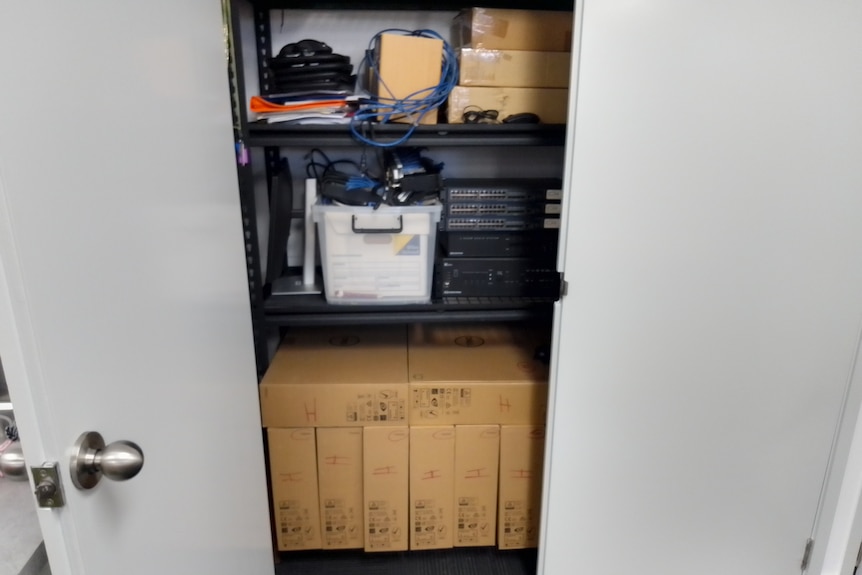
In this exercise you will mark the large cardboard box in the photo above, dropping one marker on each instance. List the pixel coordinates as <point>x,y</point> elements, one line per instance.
<point>339,476</point>
<point>337,377</point>
<point>385,484</point>
<point>476,374</point>
<point>500,29</point>
<point>477,454</point>
<point>550,104</point>
<point>432,487</point>
<point>409,67</point>
<point>521,453</point>
<point>514,68</point>
<point>293,474</point>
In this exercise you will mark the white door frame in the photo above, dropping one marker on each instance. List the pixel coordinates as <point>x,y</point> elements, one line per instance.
<point>838,531</point>
<point>21,362</point>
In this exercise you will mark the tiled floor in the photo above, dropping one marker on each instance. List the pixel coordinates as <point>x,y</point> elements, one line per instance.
<point>19,530</point>
<point>21,548</point>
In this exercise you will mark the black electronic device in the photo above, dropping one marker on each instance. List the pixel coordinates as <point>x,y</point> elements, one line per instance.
<point>309,66</point>
<point>496,277</point>
<point>280,214</point>
<point>316,87</point>
<point>342,72</point>
<point>488,208</point>
<point>540,244</point>
<point>307,47</point>
<point>522,118</point>
<point>304,61</point>
<point>499,223</point>
<point>501,190</point>
<point>410,177</point>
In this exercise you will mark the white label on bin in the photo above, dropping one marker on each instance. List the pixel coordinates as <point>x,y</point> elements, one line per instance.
<point>553,194</point>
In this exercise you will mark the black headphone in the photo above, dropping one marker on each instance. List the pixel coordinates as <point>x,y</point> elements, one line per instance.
<point>480,116</point>
<point>304,48</point>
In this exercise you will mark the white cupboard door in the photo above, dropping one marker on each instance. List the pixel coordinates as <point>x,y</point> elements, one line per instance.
<point>124,306</point>
<point>714,263</point>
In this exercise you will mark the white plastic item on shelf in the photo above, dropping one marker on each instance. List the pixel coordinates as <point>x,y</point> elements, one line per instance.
<point>377,256</point>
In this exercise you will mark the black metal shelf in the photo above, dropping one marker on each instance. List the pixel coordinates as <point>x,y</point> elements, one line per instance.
<point>457,561</point>
<point>454,135</point>
<point>426,5</point>
<point>295,310</point>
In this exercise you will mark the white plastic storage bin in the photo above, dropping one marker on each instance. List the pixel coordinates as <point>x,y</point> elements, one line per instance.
<point>377,256</point>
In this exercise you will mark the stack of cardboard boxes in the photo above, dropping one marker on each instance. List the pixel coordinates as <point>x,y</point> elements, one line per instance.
<point>514,62</point>
<point>388,438</point>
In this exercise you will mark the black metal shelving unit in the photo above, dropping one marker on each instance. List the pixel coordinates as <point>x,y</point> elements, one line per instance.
<point>271,313</point>
<point>449,135</point>
<point>296,310</point>
<point>426,5</point>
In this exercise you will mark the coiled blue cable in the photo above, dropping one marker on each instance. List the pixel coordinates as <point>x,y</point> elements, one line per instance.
<point>361,183</point>
<point>414,105</point>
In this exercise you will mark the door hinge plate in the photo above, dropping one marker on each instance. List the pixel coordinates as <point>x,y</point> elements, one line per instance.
<point>49,490</point>
<point>806,555</point>
<point>564,286</point>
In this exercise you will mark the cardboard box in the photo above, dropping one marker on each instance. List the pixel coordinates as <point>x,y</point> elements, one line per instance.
<point>385,484</point>
<point>514,68</point>
<point>521,456</point>
<point>337,377</point>
<point>476,374</point>
<point>477,458</point>
<point>550,104</point>
<point>293,473</point>
<point>498,29</point>
<point>339,477</point>
<point>432,487</point>
<point>409,67</point>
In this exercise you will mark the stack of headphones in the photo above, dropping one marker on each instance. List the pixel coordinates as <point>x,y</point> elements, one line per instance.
<point>310,67</point>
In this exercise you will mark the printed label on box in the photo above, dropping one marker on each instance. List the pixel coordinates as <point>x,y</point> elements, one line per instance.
<point>441,401</point>
<point>294,519</point>
<point>383,531</point>
<point>518,525</point>
<point>376,407</point>
<point>474,525</point>
<point>339,523</point>
<point>429,523</point>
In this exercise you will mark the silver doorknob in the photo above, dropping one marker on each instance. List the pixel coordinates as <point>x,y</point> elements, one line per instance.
<point>12,463</point>
<point>118,461</point>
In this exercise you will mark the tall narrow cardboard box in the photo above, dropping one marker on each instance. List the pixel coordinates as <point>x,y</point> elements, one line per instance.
<point>432,487</point>
<point>293,472</point>
<point>339,475</point>
<point>477,455</point>
<point>521,454</point>
<point>385,477</point>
